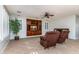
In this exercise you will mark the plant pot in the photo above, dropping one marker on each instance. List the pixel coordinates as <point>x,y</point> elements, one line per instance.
<point>16,37</point>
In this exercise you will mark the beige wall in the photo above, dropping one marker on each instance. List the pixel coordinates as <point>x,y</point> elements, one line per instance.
<point>77,26</point>
<point>1,22</point>
<point>23,31</point>
<point>65,22</point>
<point>4,26</point>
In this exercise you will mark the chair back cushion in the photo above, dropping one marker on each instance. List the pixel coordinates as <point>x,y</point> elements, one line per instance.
<point>63,36</point>
<point>52,36</point>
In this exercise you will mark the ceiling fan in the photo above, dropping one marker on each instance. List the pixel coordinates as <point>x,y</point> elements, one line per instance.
<point>48,15</point>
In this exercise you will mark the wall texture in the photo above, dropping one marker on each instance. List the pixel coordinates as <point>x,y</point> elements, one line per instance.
<point>23,31</point>
<point>5,23</point>
<point>4,17</point>
<point>65,22</point>
<point>1,22</point>
<point>77,27</point>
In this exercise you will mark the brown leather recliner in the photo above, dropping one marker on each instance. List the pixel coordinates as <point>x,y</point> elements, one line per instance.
<point>63,36</point>
<point>64,32</point>
<point>49,39</point>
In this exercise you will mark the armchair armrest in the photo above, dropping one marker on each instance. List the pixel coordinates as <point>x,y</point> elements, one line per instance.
<point>43,37</point>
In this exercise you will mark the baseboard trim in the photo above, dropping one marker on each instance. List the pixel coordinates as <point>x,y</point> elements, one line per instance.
<point>4,44</point>
<point>36,36</point>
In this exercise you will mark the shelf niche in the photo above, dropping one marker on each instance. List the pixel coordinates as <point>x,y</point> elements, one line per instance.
<point>34,27</point>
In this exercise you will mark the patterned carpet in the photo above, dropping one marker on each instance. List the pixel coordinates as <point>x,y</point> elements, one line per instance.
<point>32,46</point>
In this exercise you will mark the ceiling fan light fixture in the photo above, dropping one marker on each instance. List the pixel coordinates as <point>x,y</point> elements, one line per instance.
<point>47,15</point>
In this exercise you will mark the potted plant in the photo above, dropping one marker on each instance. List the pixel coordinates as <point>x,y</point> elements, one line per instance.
<point>15,27</point>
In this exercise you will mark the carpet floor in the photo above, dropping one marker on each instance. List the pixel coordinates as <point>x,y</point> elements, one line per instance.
<point>32,46</point>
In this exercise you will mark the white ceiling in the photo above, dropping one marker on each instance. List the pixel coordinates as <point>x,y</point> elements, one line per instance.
<point>39,10</point>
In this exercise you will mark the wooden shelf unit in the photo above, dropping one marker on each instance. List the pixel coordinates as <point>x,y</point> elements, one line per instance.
<point>34,27</point>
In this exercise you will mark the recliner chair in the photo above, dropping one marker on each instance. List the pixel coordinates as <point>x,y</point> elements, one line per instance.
<point>63,36</point>
<point>50,39</point>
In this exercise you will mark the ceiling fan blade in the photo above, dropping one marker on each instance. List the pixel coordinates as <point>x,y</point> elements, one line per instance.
<point>51,15</point>
<point>48,16</point>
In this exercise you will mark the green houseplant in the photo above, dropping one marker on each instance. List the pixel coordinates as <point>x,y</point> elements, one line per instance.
<point>15,27</point>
